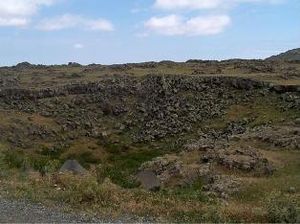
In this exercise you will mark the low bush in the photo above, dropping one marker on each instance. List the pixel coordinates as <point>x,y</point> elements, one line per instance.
<point>282,209</point>
<point>15,159</point>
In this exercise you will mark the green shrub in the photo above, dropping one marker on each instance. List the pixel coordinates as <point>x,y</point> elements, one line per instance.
<point>213,214</point>
<point>53,152</point>
<point>282,209</point>
<point>44,164</point>
<point>15,159</point>
<point>88,191</point>
<point>118,175</point>
<point>121,167</point>
<point>18,160</point>
<point>190,192</point>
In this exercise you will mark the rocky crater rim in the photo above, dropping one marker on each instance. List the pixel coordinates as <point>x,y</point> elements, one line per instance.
<point>132,84</point>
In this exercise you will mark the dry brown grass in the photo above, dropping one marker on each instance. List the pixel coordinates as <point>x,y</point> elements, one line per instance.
<point>106,200</point>
<point>85,147</point>
<point>13,117</point>
<point>109,200</point>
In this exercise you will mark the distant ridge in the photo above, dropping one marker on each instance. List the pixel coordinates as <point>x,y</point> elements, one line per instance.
<point>291,55</point>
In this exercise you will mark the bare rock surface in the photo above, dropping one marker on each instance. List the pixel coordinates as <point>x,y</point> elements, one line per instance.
<point>222,185</point>
<point>244,159</point>
<point>175,170</point>
<point>282,137</point>
<point>171,170</point>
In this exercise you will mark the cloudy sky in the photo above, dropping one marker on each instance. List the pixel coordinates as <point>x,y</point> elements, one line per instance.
<point>117,31</point>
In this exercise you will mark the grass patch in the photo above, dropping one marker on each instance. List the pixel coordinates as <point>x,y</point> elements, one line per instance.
<point>187,204</point>
<point>261,111</point>
<point>107,199</point>
<point>17,159</point>
<point>283,209</point>
<point>257,190</point>
<point>189,192</point>
<point>120,167</point>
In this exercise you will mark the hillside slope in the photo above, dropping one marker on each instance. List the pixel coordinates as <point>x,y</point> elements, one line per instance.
<point>214,141</point>
<point>291,55</point>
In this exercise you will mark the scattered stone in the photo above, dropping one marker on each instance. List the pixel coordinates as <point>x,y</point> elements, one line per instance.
<point>222,185</point>
<point>292,190</point>
<point>279,137</point>
<point>172,171</point>
<point>297,121</point>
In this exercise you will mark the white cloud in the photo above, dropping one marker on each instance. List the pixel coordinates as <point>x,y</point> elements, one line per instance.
<point>205,4</point>
<point>196,26</point>
<point>78,46</point>
<point>13,21</point>
<point>19,12</point>
<point>68,21</point>
<point>187,4</point>
<point>99,24</point>
<point>176,24</point>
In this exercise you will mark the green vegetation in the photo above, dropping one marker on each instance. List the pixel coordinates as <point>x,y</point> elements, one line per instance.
<point>190,192</point>
<point>269,198</point>
<point>283,209</point>
<point>122,166</point>
<point>261,111</point>
<point>38,137</point>
<point>51,76</point>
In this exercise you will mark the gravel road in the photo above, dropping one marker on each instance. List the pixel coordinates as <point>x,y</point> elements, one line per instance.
<point>25,212</point>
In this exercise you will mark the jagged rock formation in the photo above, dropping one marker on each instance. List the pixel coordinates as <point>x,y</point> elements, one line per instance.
<point>186,167</point>
<point>153,106</point>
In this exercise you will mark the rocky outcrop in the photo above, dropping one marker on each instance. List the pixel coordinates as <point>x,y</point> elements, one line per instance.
<point>280,137</point>
<point>130,84</point>
<point>165,84</point>
<point>222,186</point>
<point>291,55</point>
<point>245,159</point>
<point>291,101</point>
<point>8,82</point>
<point>172,171</point>
<point>185,168</point>
<point>285,88</point>
<point>156,106</point>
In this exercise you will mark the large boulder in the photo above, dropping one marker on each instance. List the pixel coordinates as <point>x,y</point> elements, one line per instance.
<point>279,137</point>
<point>245,158</point>
<point>172,170</point>
<point>148,180</point>
<point>72,166</point>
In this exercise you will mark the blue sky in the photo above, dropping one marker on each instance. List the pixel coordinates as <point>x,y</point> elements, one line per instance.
<point>119,31</point>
